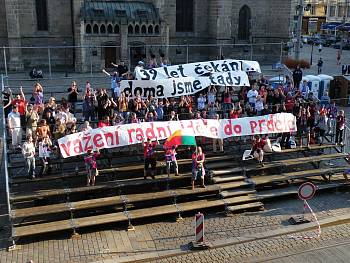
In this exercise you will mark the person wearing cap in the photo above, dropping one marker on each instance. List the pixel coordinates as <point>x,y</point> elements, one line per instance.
<point>91,166</point>
<point>149,153</point>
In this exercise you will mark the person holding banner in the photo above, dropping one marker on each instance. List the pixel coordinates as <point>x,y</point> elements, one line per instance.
<point>150,157</point>
<point>198,159</point>
<point>218,141</point>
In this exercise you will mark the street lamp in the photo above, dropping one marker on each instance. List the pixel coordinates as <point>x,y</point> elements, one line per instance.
<point>300,12</point>
<point>65,58</point>
<point>312,51</point>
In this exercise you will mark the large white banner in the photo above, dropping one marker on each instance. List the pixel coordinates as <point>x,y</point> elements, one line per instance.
<point>197,69</point>
<point>176,87</point>
<point>128,134</point>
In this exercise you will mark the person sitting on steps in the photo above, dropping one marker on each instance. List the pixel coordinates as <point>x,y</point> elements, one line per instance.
<point>257,149</point>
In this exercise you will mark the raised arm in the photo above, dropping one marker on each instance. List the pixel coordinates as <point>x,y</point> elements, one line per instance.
<point>104,71</point>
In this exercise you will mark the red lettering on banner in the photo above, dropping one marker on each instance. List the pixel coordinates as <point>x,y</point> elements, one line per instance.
<point>214,131</point>
<point>237,129</point>
<point>87,142</point>
<point>182,125</point>
<point>139,135</point>
<point>66,148</point>
<point>161,130</point>
<point>130,131</point>
<point>291,125</point>
<point>191,126</point>
<point>279,125</point>
<point>169,130</point>
<point>260,125</point>
<point>150,132</point>
<point>199,129</point>
<point>270,126</point>
<point>228,128</point>
<point>78,147</point>
<point>117,137</point>
<point>253,125</point>
<point>98,140</point>
<point>109,136</point>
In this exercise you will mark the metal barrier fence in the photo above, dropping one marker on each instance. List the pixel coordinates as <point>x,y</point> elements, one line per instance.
<point>90,59</point>
<point>6,170</point>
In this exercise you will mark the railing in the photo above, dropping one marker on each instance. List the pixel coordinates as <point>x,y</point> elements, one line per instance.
<point>6,173</point>
<point>91,59</point>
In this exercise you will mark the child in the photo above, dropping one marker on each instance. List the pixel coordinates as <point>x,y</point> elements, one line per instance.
<point>44,153</point>
<point>91,166</point>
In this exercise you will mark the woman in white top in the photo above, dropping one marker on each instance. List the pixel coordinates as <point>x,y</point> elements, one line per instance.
<point>44,154</point>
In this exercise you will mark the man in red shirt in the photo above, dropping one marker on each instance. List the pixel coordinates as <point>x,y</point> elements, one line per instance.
<point>149,154</point>
<point>20,102</point>
<point>257,149</point>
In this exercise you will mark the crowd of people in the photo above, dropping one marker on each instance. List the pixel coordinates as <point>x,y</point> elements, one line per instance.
<point>44,122</point>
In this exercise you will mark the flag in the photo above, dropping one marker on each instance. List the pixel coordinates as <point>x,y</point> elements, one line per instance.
<point>178,138</point>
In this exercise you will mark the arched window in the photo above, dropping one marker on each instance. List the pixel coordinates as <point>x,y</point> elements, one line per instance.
<point>244,23</point>
<point>130,29</point>
<point>103,29</point>
<point>150,29</point>
<point>137,29</point>
<point>156,29</point>
<point>88,29</point>
<point>116,29</point>
<point>143,30</point>
<point>184,16</point>
<point>95,29</point>
<point>110,29</point>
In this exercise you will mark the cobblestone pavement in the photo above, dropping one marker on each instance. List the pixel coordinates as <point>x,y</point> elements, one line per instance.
<point>115,242</point>
<point>262,250</point>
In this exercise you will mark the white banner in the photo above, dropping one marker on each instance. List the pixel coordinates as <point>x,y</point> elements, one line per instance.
<point>176,87</point>
<point>128,134</point>
<point>197,69</point>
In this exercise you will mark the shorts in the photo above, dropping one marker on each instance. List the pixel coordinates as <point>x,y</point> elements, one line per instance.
<point>198,172</point>
<point>91,172</point>
<point>171,163</point>
<point>150,161</point>
<point>303,130</point>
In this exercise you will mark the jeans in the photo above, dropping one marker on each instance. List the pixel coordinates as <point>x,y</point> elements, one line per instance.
<point>339,136</point>
<point>31,166</point>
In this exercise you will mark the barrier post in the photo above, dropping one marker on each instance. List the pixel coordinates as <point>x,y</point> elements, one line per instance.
<point>5,64</point>
<point>199,243</point>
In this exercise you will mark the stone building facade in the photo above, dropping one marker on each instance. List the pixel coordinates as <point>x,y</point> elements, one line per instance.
<point>105,31</point>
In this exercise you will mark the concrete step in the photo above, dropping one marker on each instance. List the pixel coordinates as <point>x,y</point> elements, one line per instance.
<point>248,206</point>
<point>232,178</point>
<point>237,192</point>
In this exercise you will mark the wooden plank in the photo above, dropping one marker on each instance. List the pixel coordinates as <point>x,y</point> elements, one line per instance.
<point>228,179</point>
<point>232,193</point>
<point>237,208</point>
<point>121,217</point>
<point>116,200</point>
<point>258,180</point>
<point>281,163</point>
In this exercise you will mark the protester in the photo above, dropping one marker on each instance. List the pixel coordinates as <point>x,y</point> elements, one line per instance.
<point>14,125</point>
<point>73,93</point>
<point>339,129</point>
<point>297,77</point>
<point>28,151</point>
<point>21,104</point>
<point>257,149</point>
<point>170,159</point>
<point>91,166</point>
<point>150,157</point>
<point>217,141</point>
<point>198,170</point>
<point>45,145</point>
